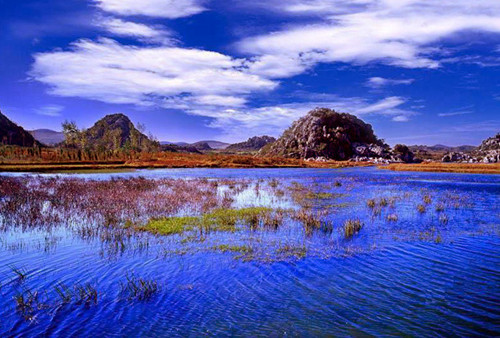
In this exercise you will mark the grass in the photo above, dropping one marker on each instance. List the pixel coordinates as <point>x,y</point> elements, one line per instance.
<point>21,273</point>
<point>352,227</point>
<point>139,288</point>
<point>244,249</point>
<point>392,218</point>
<point>170,225</point>
<point>289,251</point>
<point>225,220</point>
<point>421,208</point>
<point>49,161</point>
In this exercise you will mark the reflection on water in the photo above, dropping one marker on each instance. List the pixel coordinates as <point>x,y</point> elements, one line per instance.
<point>424,261</point>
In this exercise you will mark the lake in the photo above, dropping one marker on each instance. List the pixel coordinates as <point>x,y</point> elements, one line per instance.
<point>250,252</point>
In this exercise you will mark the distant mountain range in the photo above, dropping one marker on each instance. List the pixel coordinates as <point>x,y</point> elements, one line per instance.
<point>201,145</point>
<point>47,136</point>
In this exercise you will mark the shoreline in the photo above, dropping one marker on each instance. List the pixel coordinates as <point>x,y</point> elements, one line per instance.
<point>476,168</point>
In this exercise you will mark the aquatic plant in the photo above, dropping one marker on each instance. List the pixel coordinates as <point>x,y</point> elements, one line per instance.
<point>86,294</point>
<point>371,203</point>
<point>21,273</point>
<point>290,251</point>
<point>443,219</point>
<point>27,303</point>
<point>234,248</point>
<point>427,199</point>
<point>392,218</point>
<point>421,208</point>
<point>139,288</point>
<point>440,207</point>
<point>352,227</point>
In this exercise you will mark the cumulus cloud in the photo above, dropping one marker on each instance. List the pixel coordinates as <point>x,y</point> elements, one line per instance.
<point>238,123</point>
<point>171,9</point>
<point>120,27</point>
<point>379,82</point>
<point>108,71</point>
<point>392,32</point>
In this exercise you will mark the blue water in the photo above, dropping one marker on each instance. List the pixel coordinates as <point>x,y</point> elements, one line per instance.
<point>393,278</point>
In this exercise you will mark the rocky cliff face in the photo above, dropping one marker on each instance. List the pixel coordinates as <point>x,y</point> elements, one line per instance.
<point>252,144</point>
<point>487,152</point>
<point>323,133</point>
<point>12,134</point>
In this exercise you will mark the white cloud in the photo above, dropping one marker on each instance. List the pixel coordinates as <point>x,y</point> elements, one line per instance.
<point>379,82</point>
<point>393,32</point>
<point>107,71</point>
<point>239,123</point>
<point>52,110</point>
<point>455,113</point>
<point>171,9</point>
<point>127,28</point>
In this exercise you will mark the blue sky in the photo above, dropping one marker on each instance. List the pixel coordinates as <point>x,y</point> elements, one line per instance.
<point>420,71</point>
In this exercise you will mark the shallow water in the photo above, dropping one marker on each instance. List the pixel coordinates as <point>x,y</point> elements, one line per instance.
<point>420,275</point>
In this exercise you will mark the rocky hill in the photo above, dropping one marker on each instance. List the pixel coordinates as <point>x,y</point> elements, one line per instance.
<point>252,144</point>
<point>12,134</point>
<point>324,134</point>
<point>47,136</point>
<point>110,133</point>
<point>487,152</point>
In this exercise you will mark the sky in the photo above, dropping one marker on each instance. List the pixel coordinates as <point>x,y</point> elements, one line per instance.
<point>419,71</point>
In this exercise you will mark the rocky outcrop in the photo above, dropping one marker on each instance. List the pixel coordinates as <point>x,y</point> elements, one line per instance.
<point>12,134</point>
<point>112,132</point>
<point>487,152</point>
<point>252,144</point>
<point>325,134</point>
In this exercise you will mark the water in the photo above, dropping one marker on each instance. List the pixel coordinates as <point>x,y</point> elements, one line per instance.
<point>421,275</point>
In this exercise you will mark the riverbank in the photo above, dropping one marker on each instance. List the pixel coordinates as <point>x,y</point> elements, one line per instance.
<point>459,168</point>
<point>177,160</point>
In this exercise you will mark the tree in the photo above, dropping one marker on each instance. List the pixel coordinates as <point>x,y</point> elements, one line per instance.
<point>71,133</point>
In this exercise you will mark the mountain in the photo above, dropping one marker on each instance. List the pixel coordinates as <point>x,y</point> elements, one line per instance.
<point>114,132</point>
<point>12,134</point>
<point>252,144</point>
<point>47,136</point>
<point>213,144</point>
<point>323,133</point>
<point>436,152</point>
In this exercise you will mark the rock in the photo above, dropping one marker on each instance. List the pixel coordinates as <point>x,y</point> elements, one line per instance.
<point>323,133</point>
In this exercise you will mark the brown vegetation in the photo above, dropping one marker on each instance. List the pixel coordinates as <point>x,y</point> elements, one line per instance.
<point>52,159</point>
<point>472,168</point>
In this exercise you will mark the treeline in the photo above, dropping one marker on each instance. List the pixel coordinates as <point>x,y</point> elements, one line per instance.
<point>16,154</point>
<point>101,140</point>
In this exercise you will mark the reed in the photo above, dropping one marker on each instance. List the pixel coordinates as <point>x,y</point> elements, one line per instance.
<point>352,227</point>
<point>139,288</point>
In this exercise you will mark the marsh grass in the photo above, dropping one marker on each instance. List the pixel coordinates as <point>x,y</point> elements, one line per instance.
<point>28,303</point>
<point>352,227</point>
<point>392,218</point>
<point>291,251</point>
<point>20,273</point>
<point>139,288</point>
